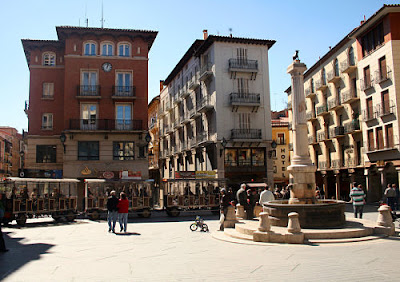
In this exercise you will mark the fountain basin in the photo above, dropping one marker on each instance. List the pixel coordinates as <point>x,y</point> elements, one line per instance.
<point>322,214</point>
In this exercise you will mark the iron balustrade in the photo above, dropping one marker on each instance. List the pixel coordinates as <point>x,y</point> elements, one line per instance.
<point>88,90</point>
<point>369,114</point>
<point>386,108</point>
<point>320,84</point>
<point>382,76</point>
<point>352,126</point>
<point>203,102</point>
<point>281,141</point>
<point>201,137</point>
<point>310,115</point>
<point>105,124</point>
<point>124,91</point>
<point>333,103</point>
<point>245,133</point>
<point>332,76</point>
<point>366,84</point>
<point>348,95</point>
<point>322,109</point>
<point>347,65</point>
<point>243,64</point>
<point>336,163</point>
<point>312,139</point>
<point>321,136</point>
<point>323,165</point>
<point>245,98</point>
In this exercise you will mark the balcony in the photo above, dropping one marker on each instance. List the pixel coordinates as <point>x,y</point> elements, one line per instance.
<point>382,76</point>
<point>322,110</point>
<point>350,162</point>
<point>243,65</point>
<point>246,134</point>
<point>202,138</point>
<point>281,141</point>
<point>311,116</point>
<point>206,71</point>
<point>204,104</point>
<point>337,131</point>
<point>321,136</point>
<point>312,140</point>
<point>333,77</point>
<point>177,98</point>
<point>366,84</point>
<point>386,108</point>
<point>336,163</point>
<point>192,142</point>
<point>193,113</point>
<point>186,117</point>
<point>309,93</point>
<point>88,91</point>
<point>348,66</point>
<point>323,165</point>
<point>349,96</point>
<point>334,103</point>
<point>369,114</point>
<point>245,99</point>
<point>193,84</point>
<point>321,85</point>
<point>105,124</point>
<point>123,92</point>
<point>352,127</point>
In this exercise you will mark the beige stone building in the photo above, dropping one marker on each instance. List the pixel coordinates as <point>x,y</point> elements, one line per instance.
<point>352,94</point>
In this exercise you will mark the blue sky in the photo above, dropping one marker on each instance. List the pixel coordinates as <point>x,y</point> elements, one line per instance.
<point>309,26</point>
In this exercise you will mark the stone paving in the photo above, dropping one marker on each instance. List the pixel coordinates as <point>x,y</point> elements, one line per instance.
<point>162,249</point>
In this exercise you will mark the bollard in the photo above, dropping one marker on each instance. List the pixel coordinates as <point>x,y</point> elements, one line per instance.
<point>240,211</point>
<point>293,223</point>
<point>230,218</point>
<point>257,211</point>
<point>265,225</point>
<point>384,217</point>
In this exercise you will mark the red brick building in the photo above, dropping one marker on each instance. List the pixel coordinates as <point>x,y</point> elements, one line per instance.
<point>87,107</point>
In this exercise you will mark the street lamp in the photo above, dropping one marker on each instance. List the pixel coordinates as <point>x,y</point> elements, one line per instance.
<point>273,146</point>
<point>63,138</point>
<point>223,144</point>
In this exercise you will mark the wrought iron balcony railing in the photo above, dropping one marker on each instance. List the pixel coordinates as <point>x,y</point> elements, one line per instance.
<point>383,75</point>
<point>244,98</point>
<point>352,126</point>
<point>321,110</point>
<point>336,163</point>
<point>333,76</point>
<point>386,108</point>
<point>310,115</point>
<point>124,91</point>
<point>243,64</point>
<point>347,66</point>
<point>369,114</point>
<point>320,84</point>
<point>88,90</point>
<point>246,134</point>
<point>105,124</point>
<point>349,96</point>
<point>334,103</point>
<point>366,84</point>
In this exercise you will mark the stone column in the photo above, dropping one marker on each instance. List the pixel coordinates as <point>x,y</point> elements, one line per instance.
<point>301,168</point>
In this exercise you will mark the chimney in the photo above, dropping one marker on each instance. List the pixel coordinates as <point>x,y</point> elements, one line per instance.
<point>161,85</point>
<point>205,34</point>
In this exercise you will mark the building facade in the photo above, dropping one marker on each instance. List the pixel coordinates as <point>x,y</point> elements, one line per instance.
<point>87,106</point>
<point>11,157</point>
<point>215,112</point>
<point>352,113</point>
<point>281,154</point>
<point>153,149</point>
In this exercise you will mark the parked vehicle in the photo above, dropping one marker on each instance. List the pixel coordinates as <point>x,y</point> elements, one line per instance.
<point>139,193</point>
<point>35,197</point>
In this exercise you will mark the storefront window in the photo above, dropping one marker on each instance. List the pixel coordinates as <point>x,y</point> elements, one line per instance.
<point>244,157</point>
<point>258,157</point>
<point>230,157</point>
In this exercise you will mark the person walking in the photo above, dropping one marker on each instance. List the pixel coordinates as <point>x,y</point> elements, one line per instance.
<point>123,209</point>
<point>112,216</point>
<point>3,248</point>
<point>357,196</point>
<point>390,194</point>
<point>224,203</point>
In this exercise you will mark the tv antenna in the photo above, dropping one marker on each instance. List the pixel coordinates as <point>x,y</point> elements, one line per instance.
<point>230,32</point>
<point>102,15</point>
<point>86,18</point>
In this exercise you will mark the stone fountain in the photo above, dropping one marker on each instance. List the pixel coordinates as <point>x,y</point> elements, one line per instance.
<point>313,213</point>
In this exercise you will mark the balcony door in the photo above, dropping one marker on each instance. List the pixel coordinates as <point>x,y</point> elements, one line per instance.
<point>89,83</point>
<point>124,117</point>
<point>88,116</point>
<point>124,83</point>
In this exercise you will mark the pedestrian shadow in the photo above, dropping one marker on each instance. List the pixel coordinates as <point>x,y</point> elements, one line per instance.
<point>19,254</point>
<point>128,234</point>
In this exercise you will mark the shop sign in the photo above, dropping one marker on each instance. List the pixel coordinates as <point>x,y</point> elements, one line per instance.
<point>184,174</point>
<point>41,173</point>
<point>86,171</point>
<point>108,174</point>
<point>128,174</point>
<point>205,174</point>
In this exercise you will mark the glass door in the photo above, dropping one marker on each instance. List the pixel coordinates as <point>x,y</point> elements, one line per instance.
<point>124,117</point>
<point>89,117</point>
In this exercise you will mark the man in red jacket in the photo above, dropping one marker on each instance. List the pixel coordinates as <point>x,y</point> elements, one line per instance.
<point>123,209</point>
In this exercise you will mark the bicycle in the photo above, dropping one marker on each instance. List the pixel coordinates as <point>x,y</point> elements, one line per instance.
<point>199,223</point>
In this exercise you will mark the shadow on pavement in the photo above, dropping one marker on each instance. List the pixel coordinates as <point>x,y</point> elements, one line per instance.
<point>43,224</point>
<point>19,254</point>
<point>128,234</point>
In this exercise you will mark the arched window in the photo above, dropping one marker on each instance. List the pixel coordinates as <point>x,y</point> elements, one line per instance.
<point>49,59</point>
<point>90,49</point>
<point>107,49</point>
<point>312,85</point>
<point>336,65</point>
<point>124,50</point>
<point>323,76</point>
<point>351,57</point>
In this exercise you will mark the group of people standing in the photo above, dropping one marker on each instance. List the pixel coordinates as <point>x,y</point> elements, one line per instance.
<point>391,196</point>
<point>117,209</point>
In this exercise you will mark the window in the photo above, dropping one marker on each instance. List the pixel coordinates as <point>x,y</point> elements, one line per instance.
<point>48,90</point>
<point>280,139</point>
<point>88,116</point>
<point>379,138</point>
<point>352,61</point>
<point>107,49</point>
<point>88,150</point>
<point>124,117</point>
<point>142,150</point>
<point>90,49</point>
<point>244,121</point>
<point>49,59</point>
<point>230,157</point>
<point>47,121</point>
<point>336,66</point>
<point>370,109</point>
<point>241,55</point>
<point>258,157</point>
<point>382,69</point>
<point>124,84</point>
<point>244,157</point>
<point>243,85</point>
<point>371,144</point>
<point>312,86</point>
<point>323,77</point>
<point>123,151</point>
<point>389,136</point>
<point>46,153</point>
<point>372,40</point>
<point>385,108</point>
<point>89,84</point>
<point>124,50</point>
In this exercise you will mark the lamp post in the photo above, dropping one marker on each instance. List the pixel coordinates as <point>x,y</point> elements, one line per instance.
<point>147,138</point>
<point>223,144</point>
<point>273,146</point>
<point>63,138</point>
